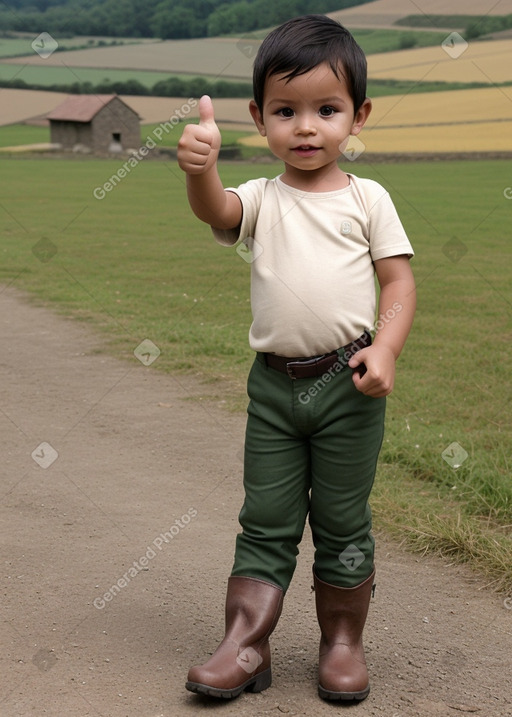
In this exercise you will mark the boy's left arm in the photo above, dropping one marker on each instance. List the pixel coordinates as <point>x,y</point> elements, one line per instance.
<point>397,305</point>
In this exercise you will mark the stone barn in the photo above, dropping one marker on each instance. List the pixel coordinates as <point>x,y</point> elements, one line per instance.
<point>102,124</point>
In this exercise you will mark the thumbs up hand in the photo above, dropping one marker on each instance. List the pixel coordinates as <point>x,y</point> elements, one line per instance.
<point>199,145</point>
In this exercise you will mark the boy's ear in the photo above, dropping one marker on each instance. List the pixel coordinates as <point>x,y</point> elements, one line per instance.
<point>361,116</point>
<point>257,117</point>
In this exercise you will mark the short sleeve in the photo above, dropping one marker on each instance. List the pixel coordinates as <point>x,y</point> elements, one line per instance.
<point>251,195</point>
<point>386,233</point>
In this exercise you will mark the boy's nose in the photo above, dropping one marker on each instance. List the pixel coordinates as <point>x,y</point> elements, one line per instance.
<point>305,126</point>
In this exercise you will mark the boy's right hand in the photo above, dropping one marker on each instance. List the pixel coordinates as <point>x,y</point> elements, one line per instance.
<point>199,145</point>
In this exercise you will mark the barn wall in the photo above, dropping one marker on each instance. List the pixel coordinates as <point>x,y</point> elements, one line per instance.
<point>115,117</point>
<point>68,134</point>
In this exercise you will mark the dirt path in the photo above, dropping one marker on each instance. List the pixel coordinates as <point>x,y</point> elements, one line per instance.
<point>134,459</point>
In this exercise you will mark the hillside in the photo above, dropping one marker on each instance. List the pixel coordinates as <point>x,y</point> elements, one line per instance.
<point>228,59</point>
<point>385,13</point>
<point>179,19</point>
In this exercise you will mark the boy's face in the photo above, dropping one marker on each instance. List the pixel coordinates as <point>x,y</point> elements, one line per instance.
<point>308,119</point>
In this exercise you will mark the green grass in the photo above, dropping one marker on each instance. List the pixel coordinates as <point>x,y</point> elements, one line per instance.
<point>19,46</point>
<point>13,47</point>
<point>456,22</point>
<point>15,134</point>
<point>138,265</point>
<point>46,76</point>
<point>374,41</point>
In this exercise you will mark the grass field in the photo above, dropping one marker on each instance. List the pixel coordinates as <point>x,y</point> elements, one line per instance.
<point>373,41</point>
<point>139,266</point>
<point>13,135</point>
<point>48,76</point>
<point>19,46</point>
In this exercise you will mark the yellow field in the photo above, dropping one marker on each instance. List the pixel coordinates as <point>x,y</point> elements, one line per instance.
<point>437,122</point>
<point>480,62</point>
<point>383,13</point>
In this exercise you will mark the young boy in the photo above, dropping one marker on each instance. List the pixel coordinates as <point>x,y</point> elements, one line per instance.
<point>318,384</point>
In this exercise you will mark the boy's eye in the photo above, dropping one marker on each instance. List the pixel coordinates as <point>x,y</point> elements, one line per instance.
<point>326,111</point>
<point>286,112</point>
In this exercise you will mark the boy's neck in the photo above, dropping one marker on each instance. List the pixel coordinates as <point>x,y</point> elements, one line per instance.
<point>325,179</point>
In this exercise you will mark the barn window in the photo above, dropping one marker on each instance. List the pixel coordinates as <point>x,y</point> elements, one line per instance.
<point>116,137</point>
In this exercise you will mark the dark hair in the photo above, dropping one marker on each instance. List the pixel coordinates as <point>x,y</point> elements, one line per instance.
<point>300,44</point>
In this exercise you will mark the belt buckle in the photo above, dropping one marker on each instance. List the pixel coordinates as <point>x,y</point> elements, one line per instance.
<point>291,365</point>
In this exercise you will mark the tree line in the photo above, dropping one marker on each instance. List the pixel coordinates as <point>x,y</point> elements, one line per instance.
<point>170,87</point>
<point>166,19</point>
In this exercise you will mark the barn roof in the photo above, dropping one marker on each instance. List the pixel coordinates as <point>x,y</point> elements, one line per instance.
<point>81,108</point>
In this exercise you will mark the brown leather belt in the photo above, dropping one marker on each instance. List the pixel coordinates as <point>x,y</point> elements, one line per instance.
<point>317,365</point>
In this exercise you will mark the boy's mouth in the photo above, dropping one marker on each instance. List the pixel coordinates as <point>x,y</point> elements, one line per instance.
<point>305,150</point>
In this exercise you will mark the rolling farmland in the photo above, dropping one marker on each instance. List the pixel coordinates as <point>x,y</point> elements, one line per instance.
<point>478,120</point>
<point>465,120</point>
<point>231,59</point>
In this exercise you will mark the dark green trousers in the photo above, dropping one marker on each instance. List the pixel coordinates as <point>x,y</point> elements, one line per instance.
<point>311,448</point>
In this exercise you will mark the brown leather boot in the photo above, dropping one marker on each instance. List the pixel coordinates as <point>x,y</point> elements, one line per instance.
<point>341,615</point>
<point>242,660</point>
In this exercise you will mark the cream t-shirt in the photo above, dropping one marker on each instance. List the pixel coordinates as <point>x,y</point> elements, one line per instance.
<point>312,273</point>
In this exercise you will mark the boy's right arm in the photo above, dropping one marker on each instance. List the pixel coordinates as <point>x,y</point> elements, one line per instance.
<point>198,150</point>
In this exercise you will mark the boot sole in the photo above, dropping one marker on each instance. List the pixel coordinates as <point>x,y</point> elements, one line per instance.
<point>258,683</point>
<point>343,696</point>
